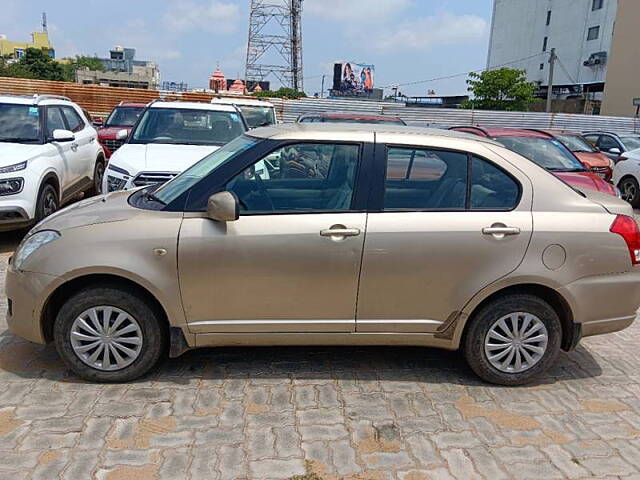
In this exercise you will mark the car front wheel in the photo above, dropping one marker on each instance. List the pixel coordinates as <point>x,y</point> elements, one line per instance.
<point>513,339</point>
<point>109,334</point>
<point>630,191</point>
<point>47,202</point>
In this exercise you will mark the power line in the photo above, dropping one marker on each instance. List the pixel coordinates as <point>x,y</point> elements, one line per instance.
<point>564,69</point>
<point>447,77</point>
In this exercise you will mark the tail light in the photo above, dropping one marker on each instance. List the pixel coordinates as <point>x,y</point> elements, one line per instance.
<point>628,229</point>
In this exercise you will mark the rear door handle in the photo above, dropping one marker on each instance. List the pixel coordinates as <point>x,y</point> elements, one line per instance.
<point>501,231</point>
<point>340,232</point>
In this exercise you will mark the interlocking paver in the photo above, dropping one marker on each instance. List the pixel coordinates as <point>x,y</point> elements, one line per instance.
<point>342,413</point>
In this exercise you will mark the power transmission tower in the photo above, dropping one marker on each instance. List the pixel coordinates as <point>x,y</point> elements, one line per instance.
<point>275,42</point>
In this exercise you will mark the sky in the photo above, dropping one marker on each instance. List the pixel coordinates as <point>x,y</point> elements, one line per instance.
<point>406,40</point>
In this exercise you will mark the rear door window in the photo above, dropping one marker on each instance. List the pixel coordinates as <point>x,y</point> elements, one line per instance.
<point>491,187</point>
<point>423,179</point>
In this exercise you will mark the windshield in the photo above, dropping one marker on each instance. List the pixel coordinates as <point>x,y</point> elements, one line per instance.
<point>124,117</point>
<point>630,142</point>
<point>577,143</point>
<point>546,152</point>
<point>257,116</point>
<point>181,126</point>
<point>175,187</point>
<point>19,123</point>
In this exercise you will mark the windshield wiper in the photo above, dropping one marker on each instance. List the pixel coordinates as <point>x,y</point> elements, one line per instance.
<point>18,139</point>
<point>152,196</point>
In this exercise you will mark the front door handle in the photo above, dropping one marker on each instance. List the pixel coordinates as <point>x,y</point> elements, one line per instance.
<point>74,147</point>
<point>339,232</point>
<point>500,230</point>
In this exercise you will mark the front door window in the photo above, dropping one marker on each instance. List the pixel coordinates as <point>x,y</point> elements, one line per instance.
<point>303,177</point>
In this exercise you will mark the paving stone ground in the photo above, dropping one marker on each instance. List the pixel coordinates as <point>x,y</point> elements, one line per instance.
<point>341,413</point>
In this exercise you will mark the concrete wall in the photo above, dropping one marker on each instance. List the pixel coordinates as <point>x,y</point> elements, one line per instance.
<point>623,77</point>
<point>519,28</point>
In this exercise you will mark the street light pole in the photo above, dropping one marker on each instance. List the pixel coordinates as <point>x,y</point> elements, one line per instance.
<point>322,89</point>
<point>552,64</point>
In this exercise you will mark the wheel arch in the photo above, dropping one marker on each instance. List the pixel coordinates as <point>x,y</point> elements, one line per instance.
<point>62,292</point>
<point>51,178</point>
<point>544,292</point>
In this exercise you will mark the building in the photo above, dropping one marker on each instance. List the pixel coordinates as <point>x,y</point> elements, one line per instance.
<point>218,83</point>
<point>15,50</point>
<point>523,32</point>
<point>623,75</point>
<point>122,70</point>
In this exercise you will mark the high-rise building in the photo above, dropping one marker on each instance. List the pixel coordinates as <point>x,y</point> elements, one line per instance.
<point>523,32</point>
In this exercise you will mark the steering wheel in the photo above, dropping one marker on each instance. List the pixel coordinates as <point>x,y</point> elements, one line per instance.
<point>263,190</point>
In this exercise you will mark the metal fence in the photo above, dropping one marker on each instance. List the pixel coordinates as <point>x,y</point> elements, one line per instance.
<point>289,110</point>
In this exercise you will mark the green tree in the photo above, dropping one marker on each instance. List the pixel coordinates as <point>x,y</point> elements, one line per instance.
<point>34,63</point>
<point>81,61</point>
<point>283,92</point>
<point>501,89</point>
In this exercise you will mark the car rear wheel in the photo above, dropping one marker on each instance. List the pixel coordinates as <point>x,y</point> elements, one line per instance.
<point>513,339</point>
<point>107,334</point>
<point>47,202</point>
<point>630,191</point>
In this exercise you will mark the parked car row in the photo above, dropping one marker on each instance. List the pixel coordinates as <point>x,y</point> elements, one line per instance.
<point>517,246</point>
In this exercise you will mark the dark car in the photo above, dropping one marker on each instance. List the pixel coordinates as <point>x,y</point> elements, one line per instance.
<point>350,118</point>
<point>551,154</point>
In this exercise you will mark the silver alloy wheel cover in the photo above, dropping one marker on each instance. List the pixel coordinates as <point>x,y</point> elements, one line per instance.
<point>106,338</point>
<point>516,342</point>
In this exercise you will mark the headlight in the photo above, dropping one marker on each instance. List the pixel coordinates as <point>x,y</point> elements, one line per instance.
<point>11,186</point>
<point>31,244</point>
<point>115,183</point>
<point>14,168</point>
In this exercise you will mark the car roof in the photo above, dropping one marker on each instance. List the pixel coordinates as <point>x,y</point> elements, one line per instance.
<point>35,100</point>
<point>131,104</point>
<point>496,132</point>
<point>242,102</point>
<point>355,132</point>
<point>554,131</point>
<point>351,116</point>
<point>194,106</point>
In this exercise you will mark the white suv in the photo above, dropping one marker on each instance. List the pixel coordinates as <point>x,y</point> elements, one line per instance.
<point>168,138</point>
<point>49,154</point>
<point>257,113</point>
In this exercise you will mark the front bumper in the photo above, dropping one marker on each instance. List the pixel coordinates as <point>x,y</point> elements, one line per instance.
<point>25,297</point>
<point>604,303</point>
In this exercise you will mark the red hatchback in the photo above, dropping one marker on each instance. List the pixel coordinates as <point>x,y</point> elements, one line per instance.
<point>123,117</point>
<point>543,149</point>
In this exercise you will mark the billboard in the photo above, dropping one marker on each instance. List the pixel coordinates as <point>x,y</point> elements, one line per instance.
<point>353,79</point>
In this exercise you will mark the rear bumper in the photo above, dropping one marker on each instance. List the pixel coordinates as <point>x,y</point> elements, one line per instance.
<point>604,303</point>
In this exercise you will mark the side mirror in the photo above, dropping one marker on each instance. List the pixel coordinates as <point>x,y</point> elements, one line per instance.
<point>60,135</point>
<point>615,151</point>
<point>122,134</point>
<point>223,207</point>
<point>98,122</point>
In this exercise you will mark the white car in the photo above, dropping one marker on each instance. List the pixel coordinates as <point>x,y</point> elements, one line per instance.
<point>626,176</point>
<point>49,154</point>
<point>168,139</point>
<point>257,113</point>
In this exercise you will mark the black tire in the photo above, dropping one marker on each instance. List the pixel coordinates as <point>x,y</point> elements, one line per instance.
<point>154,335</point>
<point>630,191</point>
<point>474,340</point>
<point>48,201</point>
<point>98,175</point>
